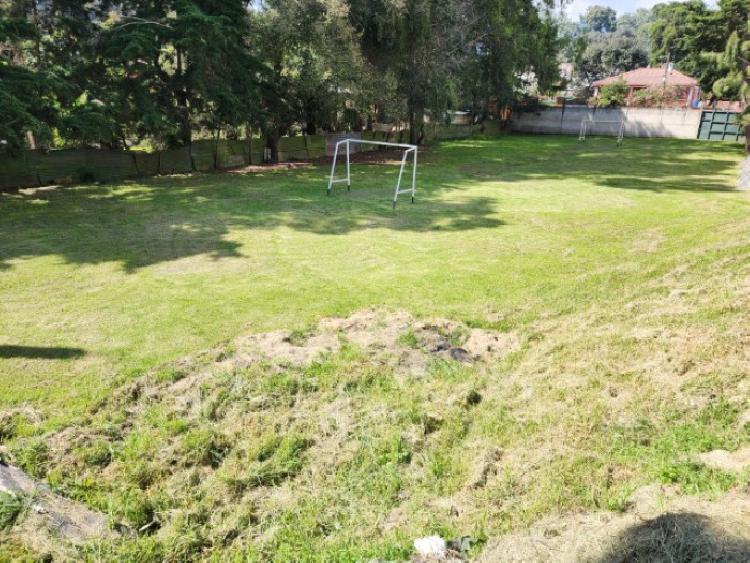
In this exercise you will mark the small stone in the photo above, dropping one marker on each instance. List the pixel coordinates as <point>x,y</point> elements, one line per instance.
<point>460,355</point>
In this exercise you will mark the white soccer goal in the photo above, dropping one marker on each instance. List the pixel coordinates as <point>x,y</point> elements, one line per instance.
<point>588,123</point>
<point>408,150</point>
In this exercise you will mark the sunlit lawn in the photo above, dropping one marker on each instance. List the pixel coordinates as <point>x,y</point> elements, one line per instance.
<point>117,278</point>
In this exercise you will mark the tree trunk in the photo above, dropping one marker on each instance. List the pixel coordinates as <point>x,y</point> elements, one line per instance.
<point>249,134</point>
<point>311,127</point>
<point>272,142</point>
<point>185,134</point>
<point>412,123</point>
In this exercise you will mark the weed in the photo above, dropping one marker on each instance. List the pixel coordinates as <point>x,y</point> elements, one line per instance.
<point>33,457</point>
<point>11,508</point>
<point>205,446</point>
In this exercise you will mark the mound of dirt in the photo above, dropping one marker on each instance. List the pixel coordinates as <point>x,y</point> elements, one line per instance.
<point>397,333</point>
<point>238,424</point>
<point>673,529</point>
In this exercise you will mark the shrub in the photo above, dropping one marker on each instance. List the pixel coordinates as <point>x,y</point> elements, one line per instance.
<point>655,97</point>
<point>612,95</point>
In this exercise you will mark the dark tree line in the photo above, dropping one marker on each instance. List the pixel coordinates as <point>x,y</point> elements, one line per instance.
<point>112,72</point>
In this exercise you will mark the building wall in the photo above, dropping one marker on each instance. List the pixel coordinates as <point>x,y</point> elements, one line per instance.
<point>640,122</point>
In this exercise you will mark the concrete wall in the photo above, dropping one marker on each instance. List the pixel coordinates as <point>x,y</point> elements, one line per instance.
<point>639,122</point>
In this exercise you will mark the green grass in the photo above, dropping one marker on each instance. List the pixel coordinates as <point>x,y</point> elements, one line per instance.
<point>135,274</point>
<point>623,272</point>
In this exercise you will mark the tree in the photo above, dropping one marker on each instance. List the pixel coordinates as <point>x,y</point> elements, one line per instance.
<point>609,55</point>
<point>517,41</point>
<point>443,53</point>
<point>170,68</point>
<point>681,32</point>
<point>601,19</point>
<point>28,97</point>
<point>608,49</point>
<point>415,42</point>
<point>734,65</point>
<point>313,67</point>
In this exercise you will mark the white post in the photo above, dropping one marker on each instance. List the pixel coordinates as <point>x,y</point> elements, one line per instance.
<point>333,169</point>
<point>348,168</point>
<point>400,173</point>
<point>414,176</point>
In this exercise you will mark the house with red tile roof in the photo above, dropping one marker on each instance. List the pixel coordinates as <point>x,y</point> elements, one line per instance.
<point>686,88</point>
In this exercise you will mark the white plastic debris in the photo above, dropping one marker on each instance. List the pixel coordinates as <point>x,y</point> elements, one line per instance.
<point>431,546</point>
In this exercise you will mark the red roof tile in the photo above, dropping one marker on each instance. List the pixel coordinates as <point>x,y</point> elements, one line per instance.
<point>651,76</point>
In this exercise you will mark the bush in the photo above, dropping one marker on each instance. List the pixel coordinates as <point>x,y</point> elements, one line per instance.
<point>612,95</point>
<point>656,97</point>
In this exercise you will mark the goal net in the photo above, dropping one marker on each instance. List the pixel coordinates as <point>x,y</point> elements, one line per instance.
<point>347,146</point>
<point>609,127</point>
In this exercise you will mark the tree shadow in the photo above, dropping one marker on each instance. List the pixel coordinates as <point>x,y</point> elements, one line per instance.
<point>138,224</point>
<point>40,352</point>
<point>658,165</point>
<point>677,537</point>
<point>165,219</point>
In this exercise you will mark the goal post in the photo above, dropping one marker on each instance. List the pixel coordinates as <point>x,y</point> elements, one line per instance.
<point>588,123</point>
<point>408,150</point>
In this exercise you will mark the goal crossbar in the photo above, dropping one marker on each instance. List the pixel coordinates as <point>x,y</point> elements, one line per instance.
<point>408,150</point>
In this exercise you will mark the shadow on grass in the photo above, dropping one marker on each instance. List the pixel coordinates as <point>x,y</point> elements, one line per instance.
<point>164,219</point>
<point>677,537</point>
<point>40,352</point>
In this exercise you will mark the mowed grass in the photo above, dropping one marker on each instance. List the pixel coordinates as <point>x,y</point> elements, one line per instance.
<point>624,272</point>
<point>121,277</point>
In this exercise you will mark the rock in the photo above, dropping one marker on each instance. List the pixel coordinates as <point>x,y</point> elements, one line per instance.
<point>731,462</point>
<point>48,511</point>
<point>460,355</point>
<point>431,546</point>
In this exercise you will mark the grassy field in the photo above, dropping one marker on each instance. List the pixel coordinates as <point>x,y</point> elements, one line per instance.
<point>623,274</point>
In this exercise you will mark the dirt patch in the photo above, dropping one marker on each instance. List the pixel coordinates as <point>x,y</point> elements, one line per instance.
<point>484,467</point>
<point>688,529</point>
<point>256,168</point>
<point>394,332</point>
<point>370,328</point>
<point>282,346</point>
<point>726,461</point>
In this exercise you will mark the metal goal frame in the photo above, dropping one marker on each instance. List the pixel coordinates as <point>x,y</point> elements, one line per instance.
<point>408,150</point>
<point>590,120</point>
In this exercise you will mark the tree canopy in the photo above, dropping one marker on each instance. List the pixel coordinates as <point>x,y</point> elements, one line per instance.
<point>116,72</point>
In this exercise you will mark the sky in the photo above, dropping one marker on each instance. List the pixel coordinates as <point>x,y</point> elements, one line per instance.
<point>578,7</point>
